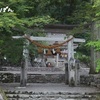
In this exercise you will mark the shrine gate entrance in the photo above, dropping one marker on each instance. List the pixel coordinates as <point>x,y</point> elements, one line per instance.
<point>71,72</point>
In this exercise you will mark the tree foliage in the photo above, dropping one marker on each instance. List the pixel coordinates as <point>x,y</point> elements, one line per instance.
<point>96,19</point>
<point>29,14</point>
<point>82,14</point>
<point>17,22</point>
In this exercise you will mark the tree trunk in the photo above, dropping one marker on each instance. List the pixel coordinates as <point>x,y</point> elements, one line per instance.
<point>94,54</point>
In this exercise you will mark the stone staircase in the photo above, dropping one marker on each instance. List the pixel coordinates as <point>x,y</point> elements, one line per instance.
<point>49,91</point>
<point>29,95</point>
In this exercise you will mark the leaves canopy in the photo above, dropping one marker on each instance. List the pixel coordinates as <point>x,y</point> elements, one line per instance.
<point>28,14</point>
<point>17,22</point>
<point>96,19</point>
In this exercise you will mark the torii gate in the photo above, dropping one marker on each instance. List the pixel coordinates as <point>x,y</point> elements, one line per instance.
<point>71,60</point>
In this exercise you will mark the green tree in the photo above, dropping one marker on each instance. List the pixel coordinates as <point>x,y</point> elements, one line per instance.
<point>28,14</point>
<point>17,22</point>
<point>95,43</point>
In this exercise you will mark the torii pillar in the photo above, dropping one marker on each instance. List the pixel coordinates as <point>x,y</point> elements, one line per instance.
<point>71,76</point>
<point>24,63</point>
<point>71,63</point>
<point>23,75</point>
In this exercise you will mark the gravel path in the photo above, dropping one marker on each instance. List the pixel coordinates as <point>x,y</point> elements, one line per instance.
<point>48,87</point>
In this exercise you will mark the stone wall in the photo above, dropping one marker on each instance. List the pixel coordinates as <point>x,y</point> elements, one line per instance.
<point>86,80</point>
<point>46,78</point>
<point>6,78</point>
<point>90,80</point>
<point>35,78</point>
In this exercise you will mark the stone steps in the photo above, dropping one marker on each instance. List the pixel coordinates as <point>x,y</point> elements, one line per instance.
<point>18,95</point>
<point>49,91</point>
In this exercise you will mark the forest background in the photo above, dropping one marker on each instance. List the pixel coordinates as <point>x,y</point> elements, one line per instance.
<point>19,17</point>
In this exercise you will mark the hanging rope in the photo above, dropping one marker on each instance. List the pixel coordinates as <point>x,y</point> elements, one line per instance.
<point>47,47</point>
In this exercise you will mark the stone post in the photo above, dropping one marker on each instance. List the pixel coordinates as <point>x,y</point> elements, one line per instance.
<point>57,59</point>
<point>77,75</point>
<point>66,73</point>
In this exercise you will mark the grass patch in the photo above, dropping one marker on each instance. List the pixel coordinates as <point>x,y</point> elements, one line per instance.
<point>3,94</point>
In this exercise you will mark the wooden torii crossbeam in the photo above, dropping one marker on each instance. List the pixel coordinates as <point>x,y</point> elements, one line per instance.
<point>26,53</point>
<point>49,38</point>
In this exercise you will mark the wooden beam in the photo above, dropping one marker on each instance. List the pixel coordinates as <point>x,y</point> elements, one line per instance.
<point>50,39</point>
<point>17,37</point>
<point>78,40</point>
